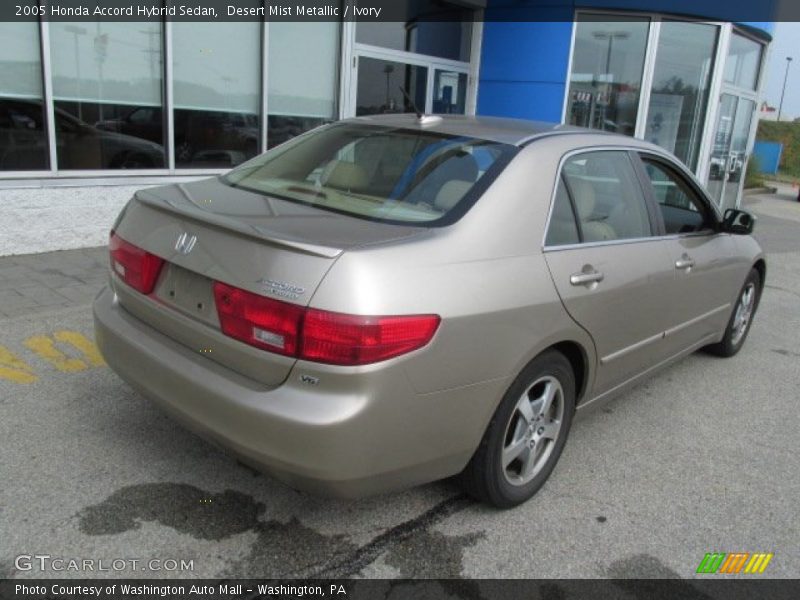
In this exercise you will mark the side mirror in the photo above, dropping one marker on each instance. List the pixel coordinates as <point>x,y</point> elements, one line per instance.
<point>738,222</point>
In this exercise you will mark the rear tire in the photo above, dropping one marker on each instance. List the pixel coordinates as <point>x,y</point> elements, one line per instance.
<point>741,318</point>
<point>526,435</point>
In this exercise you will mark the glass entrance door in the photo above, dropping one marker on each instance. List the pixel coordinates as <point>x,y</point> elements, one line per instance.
<point>729,154</point>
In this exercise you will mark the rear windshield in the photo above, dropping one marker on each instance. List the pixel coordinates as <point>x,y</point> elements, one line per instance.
<point>378,173</point>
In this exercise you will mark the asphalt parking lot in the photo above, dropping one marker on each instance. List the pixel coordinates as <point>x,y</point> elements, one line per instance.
<point>702,458</point>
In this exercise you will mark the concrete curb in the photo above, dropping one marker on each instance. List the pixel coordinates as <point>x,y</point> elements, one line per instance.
<point>760,190</point>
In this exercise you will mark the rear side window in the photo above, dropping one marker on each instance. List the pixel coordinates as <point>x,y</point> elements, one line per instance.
<point>607,196</point>
<point>682,210</point>
<point>563,229</point>
<point>380,173</point>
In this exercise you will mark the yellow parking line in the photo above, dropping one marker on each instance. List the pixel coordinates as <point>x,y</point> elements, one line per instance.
<point>14,369</point>
<point>45,348</point>
<point>86,346</point>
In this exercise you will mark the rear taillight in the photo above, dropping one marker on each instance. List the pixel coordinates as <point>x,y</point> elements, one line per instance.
<point>258,321</point>
<point>355,340</point>
<point>136,267</point>
<point>318,335</point>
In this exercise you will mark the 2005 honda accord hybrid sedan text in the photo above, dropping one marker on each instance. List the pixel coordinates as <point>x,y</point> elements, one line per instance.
<point>391,300</point>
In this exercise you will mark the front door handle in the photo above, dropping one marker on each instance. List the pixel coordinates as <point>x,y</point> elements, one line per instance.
<point>685,262</point>
<point>586,278</point>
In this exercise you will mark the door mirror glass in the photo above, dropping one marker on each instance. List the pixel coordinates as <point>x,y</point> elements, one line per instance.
<point>739,222</point>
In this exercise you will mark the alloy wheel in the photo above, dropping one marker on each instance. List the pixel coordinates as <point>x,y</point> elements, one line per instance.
<point>532,430</point>
<point>744,313</point>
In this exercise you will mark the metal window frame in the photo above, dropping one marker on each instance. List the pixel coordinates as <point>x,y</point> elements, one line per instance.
<point>409,58</point>
<point>570,59</point>
<point>168,94</point>
<point>263,126</point>
<point>473,78</point>
<point>47,94</point>
<point>648,74</point>
<point>348,68</point>
<point>714,98</point>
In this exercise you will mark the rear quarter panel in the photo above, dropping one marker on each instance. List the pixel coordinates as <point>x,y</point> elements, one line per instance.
<point>485,276</point>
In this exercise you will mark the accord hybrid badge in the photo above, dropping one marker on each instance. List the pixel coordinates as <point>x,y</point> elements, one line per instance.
<point>282,289</point>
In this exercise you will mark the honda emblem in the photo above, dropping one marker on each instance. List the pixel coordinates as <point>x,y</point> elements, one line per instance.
<point>185,243</point>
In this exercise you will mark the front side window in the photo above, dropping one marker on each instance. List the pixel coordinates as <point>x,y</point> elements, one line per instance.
<point>681,209</point>
<point>379,173</point>
<point>607,197</point>
<point>606,77</point>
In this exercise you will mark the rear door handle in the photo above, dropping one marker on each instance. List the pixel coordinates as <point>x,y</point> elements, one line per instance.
<point>584,278</point>
<point>685,262</point>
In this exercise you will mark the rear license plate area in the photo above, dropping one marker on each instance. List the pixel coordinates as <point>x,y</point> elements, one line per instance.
<point>189,293</point>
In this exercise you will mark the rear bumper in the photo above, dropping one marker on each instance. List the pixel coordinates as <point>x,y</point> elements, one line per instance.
<point>358,432</point>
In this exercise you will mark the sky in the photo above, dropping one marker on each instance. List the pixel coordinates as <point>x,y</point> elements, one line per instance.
<point>786,42</point>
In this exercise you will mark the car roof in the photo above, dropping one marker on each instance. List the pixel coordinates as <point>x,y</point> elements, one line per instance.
<point>507,131</point>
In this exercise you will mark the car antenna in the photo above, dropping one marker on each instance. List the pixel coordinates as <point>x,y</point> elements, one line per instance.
<point>411,102</point>
<point>422,118</point>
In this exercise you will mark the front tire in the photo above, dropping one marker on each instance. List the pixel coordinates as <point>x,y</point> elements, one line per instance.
<point>526,435</point>
<point>741,318</point>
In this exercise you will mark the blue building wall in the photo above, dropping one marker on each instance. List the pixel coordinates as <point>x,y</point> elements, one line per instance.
<point>526,47</point>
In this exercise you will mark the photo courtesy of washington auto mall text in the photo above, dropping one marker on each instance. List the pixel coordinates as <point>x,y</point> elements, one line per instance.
<point>206,591</point>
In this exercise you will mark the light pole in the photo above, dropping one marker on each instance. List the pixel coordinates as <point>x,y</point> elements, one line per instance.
<point>610,36</point>
<point>76,31</point>
<point>388,70</point>
<point>783,91</point>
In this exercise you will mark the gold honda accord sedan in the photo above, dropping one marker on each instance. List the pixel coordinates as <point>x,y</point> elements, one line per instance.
<point>391,300</point>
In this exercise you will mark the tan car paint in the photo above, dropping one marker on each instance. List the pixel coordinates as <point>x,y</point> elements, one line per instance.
<point>419,417</point>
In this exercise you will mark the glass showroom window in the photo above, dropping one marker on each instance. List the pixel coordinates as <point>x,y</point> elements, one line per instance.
<point>381,84</point>
<point>606,77</point>
<point>302,77</point>
<point>679,96</point>
<point>23,134</point>
<point>449,92</point>
<point>743,63</point>
<point>107,91</point>
<point>216,91</point>
<point>443,39</point>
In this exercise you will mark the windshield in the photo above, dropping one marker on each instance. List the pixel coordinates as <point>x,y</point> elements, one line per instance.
<point>378,173</point>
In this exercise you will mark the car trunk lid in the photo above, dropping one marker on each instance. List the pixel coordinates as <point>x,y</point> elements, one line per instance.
<point>207,231</point>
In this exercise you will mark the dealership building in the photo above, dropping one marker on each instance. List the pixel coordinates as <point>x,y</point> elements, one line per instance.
<point>91,111</point>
